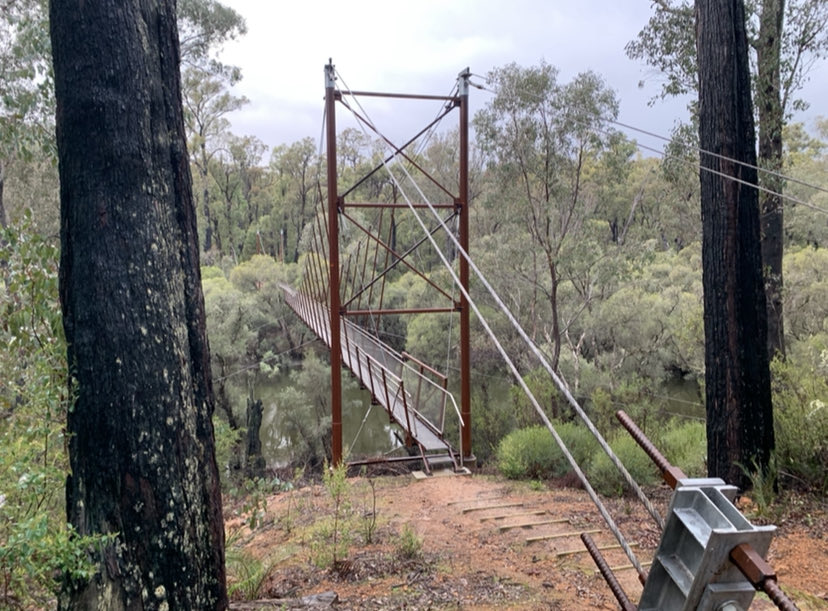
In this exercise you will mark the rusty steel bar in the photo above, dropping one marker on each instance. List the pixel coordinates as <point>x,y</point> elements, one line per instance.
<point>401,96</point>
<point>333,264</point>
<point>671,474</point>
<point>450,206</point>
<point>607,573</point>
<point>463,238</point>
<point>760,574</point>
<point>379,312</point>
<point>755,569</point>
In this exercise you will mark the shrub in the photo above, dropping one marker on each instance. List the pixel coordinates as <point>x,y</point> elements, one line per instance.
<point>800,398</point>
<point>410,545</point>
<point>36,545</point>
<point>604,476</point>
<point>532,453</point>
<point>685,446</point>
<point>528,453</point>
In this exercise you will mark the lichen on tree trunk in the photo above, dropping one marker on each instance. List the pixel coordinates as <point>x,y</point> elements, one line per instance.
<point>141,438</point>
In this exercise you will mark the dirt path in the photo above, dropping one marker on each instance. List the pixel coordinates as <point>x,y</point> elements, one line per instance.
<point>477,551</point>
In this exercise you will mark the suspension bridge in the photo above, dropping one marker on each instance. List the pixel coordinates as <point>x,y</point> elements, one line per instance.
<point>710,556</point>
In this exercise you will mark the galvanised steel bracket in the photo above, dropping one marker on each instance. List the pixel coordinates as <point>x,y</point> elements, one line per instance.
<point>692,568</point>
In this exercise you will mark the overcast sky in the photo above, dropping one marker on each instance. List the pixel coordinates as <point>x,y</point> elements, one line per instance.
<point>419,46</point>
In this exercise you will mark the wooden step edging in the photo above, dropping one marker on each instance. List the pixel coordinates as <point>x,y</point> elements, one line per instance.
<point>485,507</point>
<point>537,512</point>
<point>505,527</point>
<point>575,533</point>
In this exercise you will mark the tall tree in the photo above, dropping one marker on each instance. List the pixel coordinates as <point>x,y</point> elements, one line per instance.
<point>141,438</point>
<point>26,101</point>
<point>539,136</point>
<point>788,36</point>
<point>771,119</point>
<point>737,375</point>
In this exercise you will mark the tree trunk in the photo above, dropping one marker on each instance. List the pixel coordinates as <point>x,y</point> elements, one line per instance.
<point>737,377</point>
<point>255,465</point>
<point>771,121</point>
<point>205,194</point>
<point>141,445</point>
<point>3,219</point>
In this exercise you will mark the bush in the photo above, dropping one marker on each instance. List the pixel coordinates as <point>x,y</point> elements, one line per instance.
<point>800,398</point>
<point>36,545</point>
<point>605,477</point>
<point>528,453</point>
<point>532,453</point>
<point>685,446</point>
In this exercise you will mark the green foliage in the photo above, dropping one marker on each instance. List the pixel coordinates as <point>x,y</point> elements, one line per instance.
<point>368,521</point>
<point>35,541</point>
<point>762,486</point>
<point>685,446</point>
<point>409,545</point>
<point>604,476</point>
<point>332,537</point>
<point>246,574</point>
<point>800,397</point>
<point>532,453</point>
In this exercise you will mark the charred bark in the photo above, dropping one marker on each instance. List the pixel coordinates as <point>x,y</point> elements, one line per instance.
<point>737,377</point>
<point>771,121</point>
<point>255,464</point>
<point>140,433</point>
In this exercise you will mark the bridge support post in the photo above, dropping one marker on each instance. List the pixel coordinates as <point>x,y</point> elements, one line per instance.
<point>333,263</point>
<point>463,237</point>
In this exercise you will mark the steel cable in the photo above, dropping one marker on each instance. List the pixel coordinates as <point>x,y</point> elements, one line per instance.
<point>519,379</point>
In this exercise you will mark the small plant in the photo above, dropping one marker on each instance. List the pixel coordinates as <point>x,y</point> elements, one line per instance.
<point>246,574</point>
<point>409,545</point>
<point>762,486</point>
<point>255,502</point>
<point>369,516</point>
<point>331,537</point>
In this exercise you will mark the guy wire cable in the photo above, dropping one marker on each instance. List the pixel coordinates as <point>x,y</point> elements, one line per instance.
<point>581,476</point>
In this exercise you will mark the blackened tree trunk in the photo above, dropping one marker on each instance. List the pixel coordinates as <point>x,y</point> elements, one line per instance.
<point>737,377</point>
<point>141,443</point>
<point>771,121</point>
<point>255,463</point>
<point>3,220</point>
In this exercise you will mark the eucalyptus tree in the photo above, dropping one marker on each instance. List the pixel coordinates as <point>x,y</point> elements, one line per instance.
<point>788,38</point>
<point>141,441</point>
<point>204,27</point>
<point>740,433</point>
<point>296,169</point>
<point>27,98</point>
<point>538,136</point>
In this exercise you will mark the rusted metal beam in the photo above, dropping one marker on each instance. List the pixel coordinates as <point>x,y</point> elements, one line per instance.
<point>333,265</point>
<point>401,96</point>
<point>450,206</point>
<point>463,237</point>
<point>380,312</point>
<point>606,571</point>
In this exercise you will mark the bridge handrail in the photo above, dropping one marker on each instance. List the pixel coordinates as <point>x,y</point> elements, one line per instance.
<point>387,350</point>
<point>360,336</point>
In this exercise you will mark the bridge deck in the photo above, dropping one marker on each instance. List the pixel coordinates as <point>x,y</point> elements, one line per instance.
<point>385,374</point>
